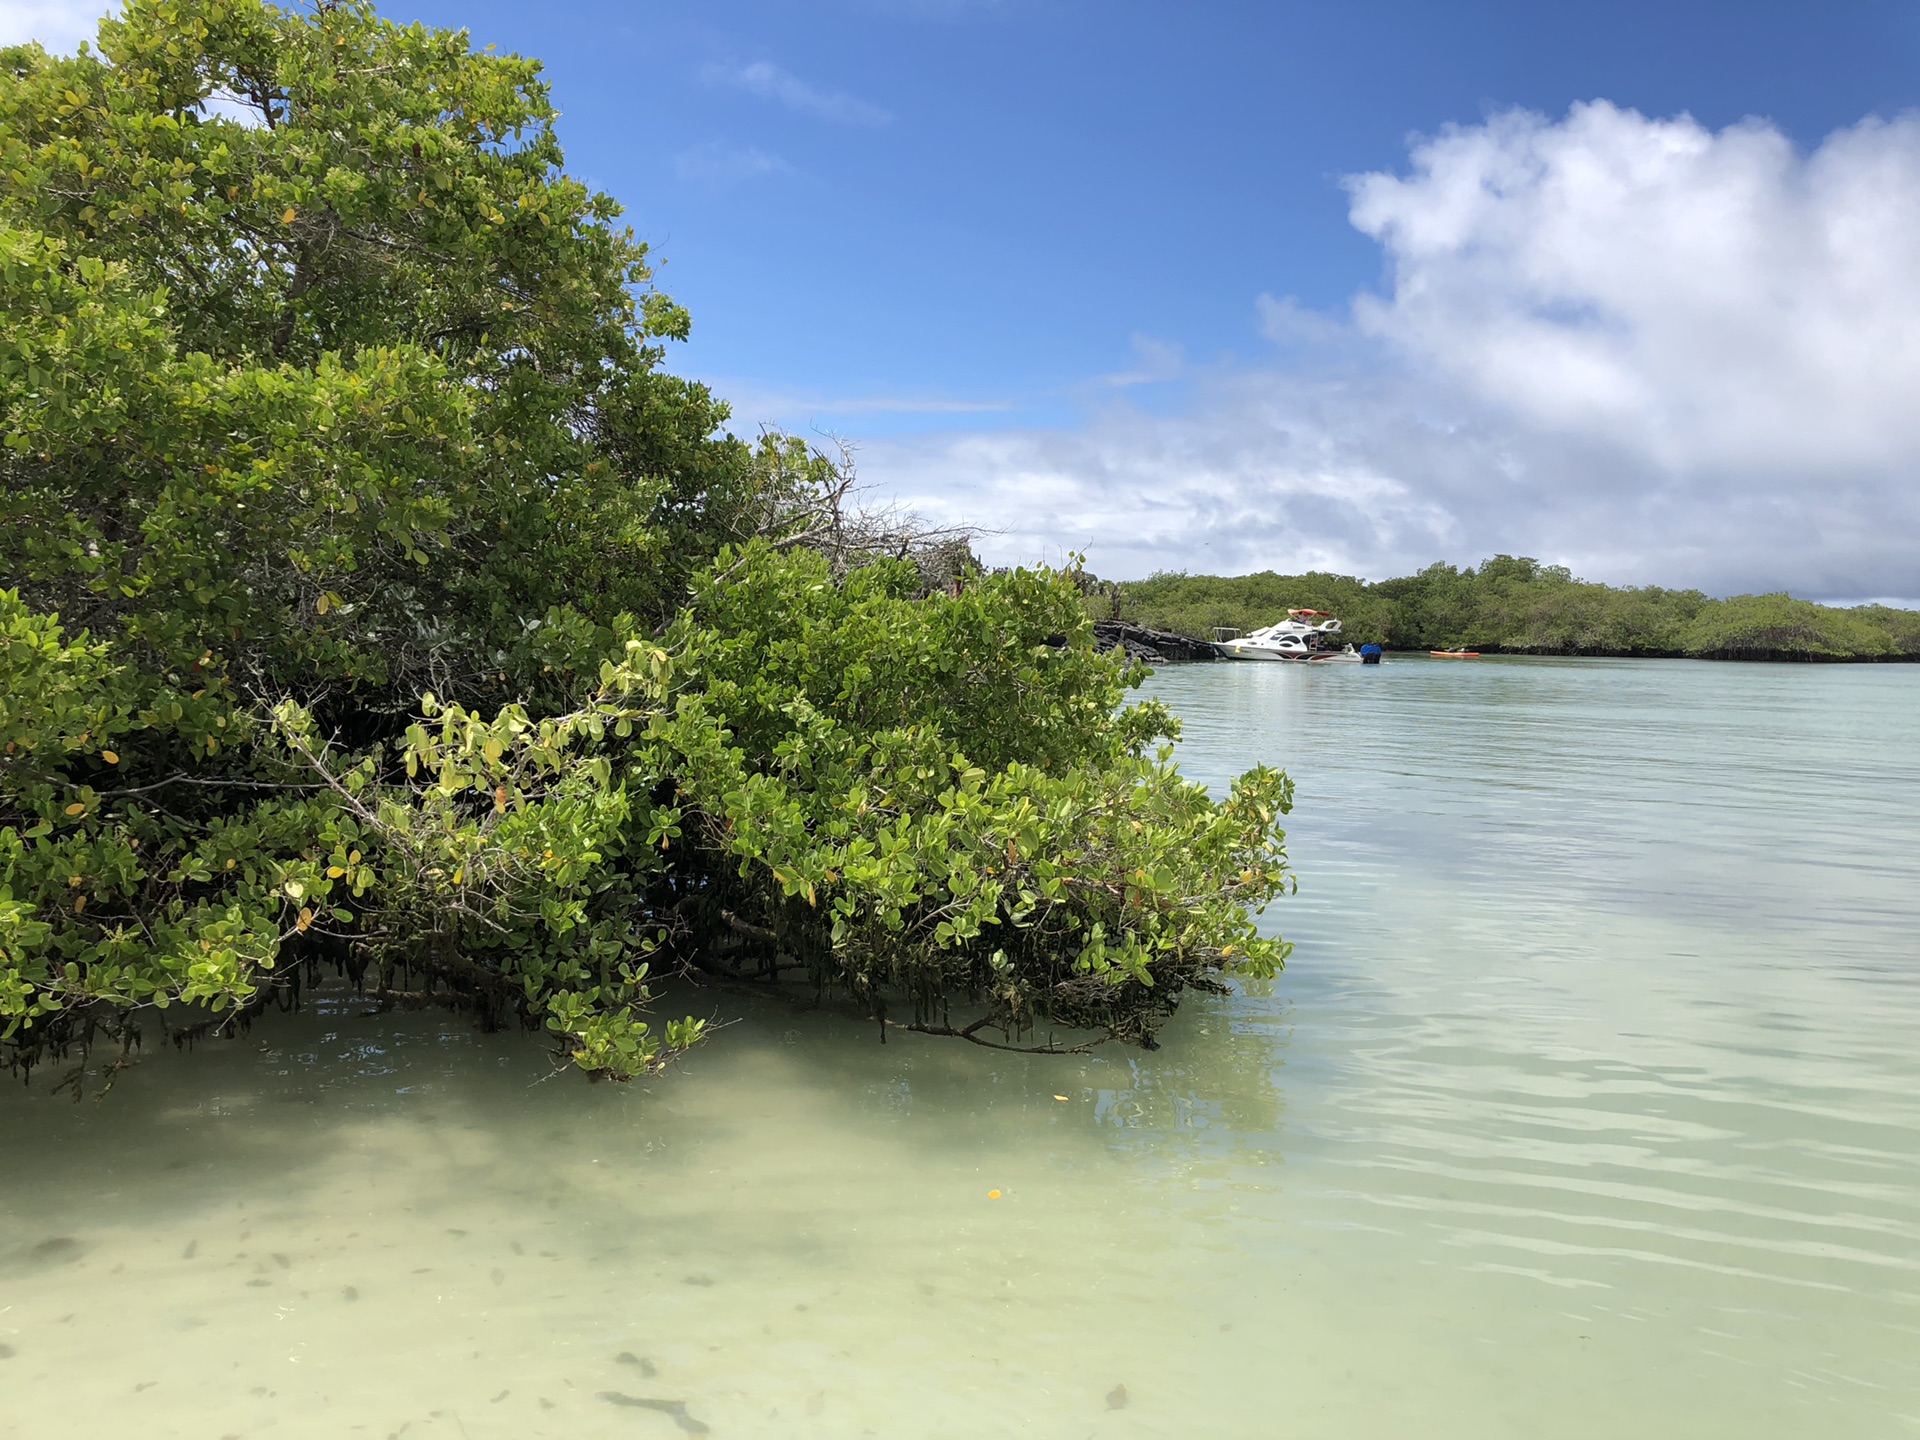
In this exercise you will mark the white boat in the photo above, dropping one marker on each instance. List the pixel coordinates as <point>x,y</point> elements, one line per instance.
<point>1306,637</point>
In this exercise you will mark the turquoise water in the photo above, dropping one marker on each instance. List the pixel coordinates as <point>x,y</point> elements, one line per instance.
<point>1589,1106</point>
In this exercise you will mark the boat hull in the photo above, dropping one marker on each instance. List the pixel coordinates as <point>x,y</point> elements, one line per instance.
<point>1232,651</point>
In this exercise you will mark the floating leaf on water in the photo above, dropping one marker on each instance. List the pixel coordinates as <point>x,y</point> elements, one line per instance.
<point>1117,1398</point>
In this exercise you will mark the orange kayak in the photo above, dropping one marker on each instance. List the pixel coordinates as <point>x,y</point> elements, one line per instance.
<point>1454,654</point>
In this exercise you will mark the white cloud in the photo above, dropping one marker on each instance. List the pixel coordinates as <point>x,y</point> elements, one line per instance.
<point>1258,475</point>
<point>1155,362</point>
<point>1711,301</point>
<point>60,25</point>
<point>1285,322</point>
<point>1651,351</point>
<point>717,163</point>
<point>769,82</point>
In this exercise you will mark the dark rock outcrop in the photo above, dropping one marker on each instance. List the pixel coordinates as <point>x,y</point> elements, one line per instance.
<point>1156,647</point>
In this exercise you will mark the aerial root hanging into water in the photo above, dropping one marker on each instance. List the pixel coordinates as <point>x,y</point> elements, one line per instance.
<point>971,1036</point>
<point>75,1078</point>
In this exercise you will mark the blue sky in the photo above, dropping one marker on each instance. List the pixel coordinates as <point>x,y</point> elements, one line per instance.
<point>1350,285</point>
<point>982,203</point>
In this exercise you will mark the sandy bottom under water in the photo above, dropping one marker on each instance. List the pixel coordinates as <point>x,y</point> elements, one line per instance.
<point>1589,1107</point>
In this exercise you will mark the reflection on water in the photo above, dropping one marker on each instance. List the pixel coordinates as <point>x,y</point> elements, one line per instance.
<point>1588,1107</point>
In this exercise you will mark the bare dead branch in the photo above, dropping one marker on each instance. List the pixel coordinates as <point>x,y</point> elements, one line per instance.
<point>968,1034</point>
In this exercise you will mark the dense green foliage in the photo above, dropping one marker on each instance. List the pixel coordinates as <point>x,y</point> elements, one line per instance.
<point>377,604</point>
<point>1524,607</point>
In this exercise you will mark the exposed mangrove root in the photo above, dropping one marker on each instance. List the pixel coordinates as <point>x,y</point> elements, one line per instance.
<point>968,1033</point>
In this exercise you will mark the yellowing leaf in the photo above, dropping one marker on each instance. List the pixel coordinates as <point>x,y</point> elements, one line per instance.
<point>321,605</point>
<point>76,809</point>
<point>306,919</point>
<point>287,219</point>
<point>109,757</point>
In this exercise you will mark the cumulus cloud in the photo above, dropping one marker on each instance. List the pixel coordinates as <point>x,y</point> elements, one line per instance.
<point>1266,471</point>
<point>769,82</point>
<point>1653,351</point>
<point>1712,301</point>
<point>60,25</point>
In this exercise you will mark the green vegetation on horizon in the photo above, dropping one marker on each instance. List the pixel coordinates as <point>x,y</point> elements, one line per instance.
<point>376,605</point>
<point>1521,606</point>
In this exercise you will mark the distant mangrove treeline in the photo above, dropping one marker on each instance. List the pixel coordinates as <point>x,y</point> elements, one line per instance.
<point>1520,606</point>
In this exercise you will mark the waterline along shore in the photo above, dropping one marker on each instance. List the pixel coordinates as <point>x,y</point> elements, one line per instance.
<point>1508,605</point>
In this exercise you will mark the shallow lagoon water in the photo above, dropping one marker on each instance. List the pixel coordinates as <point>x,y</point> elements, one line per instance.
<point>1589,1106</point>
